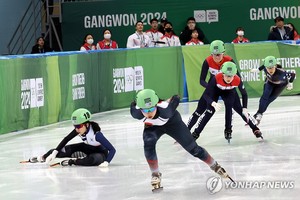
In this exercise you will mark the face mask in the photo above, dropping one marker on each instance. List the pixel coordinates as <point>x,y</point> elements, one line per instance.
<point>107,36</point>
<point>240,33</point>
<point>90,41</point>
<point>168,30</point>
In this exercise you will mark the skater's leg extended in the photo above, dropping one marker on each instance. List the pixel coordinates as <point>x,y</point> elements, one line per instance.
<point>198,112</point>
<point>150,137</point>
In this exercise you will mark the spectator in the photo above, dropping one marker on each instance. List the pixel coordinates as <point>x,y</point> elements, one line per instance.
<point>139,39</point>
<point>185,35</point>
<point>240,36</point>
<point>107,42</point>
<point>294,30</point>
<point>40,46</point>
<point>169,39</point>
<point>153,33</point>
<point>280,31</point>
<point>195,40</point>
<point>88,43</point>
<point>161,28</point>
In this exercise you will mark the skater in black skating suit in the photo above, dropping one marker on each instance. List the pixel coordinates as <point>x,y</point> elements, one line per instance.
<point>161,117</point>
<point>277,79</point>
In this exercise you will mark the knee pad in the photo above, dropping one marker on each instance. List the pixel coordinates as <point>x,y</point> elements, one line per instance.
<point>78,154</point>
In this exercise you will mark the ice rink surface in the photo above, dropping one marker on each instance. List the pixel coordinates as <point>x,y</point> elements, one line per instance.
<point>274,161</point>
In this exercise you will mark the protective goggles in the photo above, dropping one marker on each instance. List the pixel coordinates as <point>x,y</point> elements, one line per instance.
<point>79,126</point>
<point>148,110</point>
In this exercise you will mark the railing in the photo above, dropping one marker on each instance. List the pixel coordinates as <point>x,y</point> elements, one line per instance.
<point>36,22</point>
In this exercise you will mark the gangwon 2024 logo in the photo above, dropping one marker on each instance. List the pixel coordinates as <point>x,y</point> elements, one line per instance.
<point>78,83</point>
<point>32,93</point>
<point>128,79</point>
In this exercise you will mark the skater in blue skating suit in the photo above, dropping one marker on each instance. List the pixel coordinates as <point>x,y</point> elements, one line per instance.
<point>93,151</point>
<point>212,64</point>
<point>276,81</point>
<point>161,117</point>
<point>223,85</point>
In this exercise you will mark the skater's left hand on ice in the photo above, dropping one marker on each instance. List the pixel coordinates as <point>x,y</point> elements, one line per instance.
<point>289,86</point>
<point>104,164</point>
<point>52,156</point>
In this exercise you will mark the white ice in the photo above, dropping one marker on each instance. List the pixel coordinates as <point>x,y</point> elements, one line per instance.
<point>248,159</point>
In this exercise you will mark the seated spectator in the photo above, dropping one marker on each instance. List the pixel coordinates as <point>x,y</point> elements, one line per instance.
<point>185,35</point>
<point>280,31</point>
<point>153,33</point>
<point>169,39</point>
<point>40,46</point>
<point>194,40</point>
<point>107,42</point>
<point>139,39</point>
<point>161,27</point>
<point>294,30</point>
<point>87,44</point>
<point>240,36</point>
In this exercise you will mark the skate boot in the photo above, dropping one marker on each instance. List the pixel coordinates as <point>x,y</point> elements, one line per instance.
<point>258,117</point>
<point>69,162</point>
<point>220,170</point>
<point>36,159</point>
<point>227,134</point>
<point>258,134</point>
<point>155,181</point>
<point>195,135</point>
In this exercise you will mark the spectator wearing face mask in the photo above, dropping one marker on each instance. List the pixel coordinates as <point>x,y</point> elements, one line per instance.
<point>169,39</point>
<point>240,36</point>
<point>87,43</point>
<point>107,42</point>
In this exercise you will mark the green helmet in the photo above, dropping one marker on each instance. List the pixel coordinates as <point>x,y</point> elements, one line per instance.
<point>146,98</point>
<point>270,61</point>
<point>217,47</point>
<point>229,68</point>
<point>81,116</point>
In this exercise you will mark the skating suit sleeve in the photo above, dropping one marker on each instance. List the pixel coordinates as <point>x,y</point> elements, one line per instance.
<point>243,92</point>
<point>66,139</point>
<point>135,112</point>
<point>169,111</point>
<point>105,143</point>
<point>209,90</point>
<point>203,74</point>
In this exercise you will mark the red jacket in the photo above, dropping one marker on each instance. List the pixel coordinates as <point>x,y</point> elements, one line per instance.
<point>112,45</point>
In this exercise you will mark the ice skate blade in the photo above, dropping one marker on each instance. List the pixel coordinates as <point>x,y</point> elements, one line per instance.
<point>157,190</point>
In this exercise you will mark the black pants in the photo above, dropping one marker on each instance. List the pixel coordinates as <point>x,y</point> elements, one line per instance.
<point>231,101</point>
<point>177,129</point>
<point>95,154</point>
<point>271,92</point>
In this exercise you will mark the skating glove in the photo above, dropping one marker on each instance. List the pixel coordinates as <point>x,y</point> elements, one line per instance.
<point>104,164</point>
<point>289,86</point>
<point>254,70</point>
<point>52,156</point>
<point>217,106</point>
